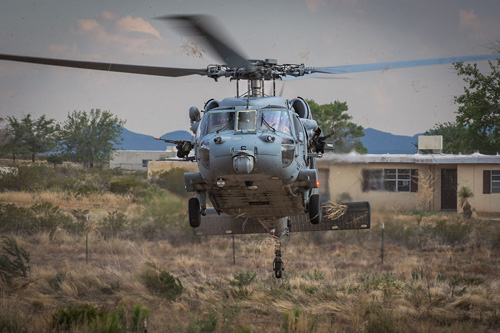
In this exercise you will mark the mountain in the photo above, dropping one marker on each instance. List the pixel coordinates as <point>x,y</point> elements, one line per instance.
<point>378,142</point>
<point>136,141</point>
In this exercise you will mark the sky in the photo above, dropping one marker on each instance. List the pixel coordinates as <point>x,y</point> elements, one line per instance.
<point>313,32</point>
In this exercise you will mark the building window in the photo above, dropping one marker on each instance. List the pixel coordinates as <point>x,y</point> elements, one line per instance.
<point>392,180</point>
<point>145,163</point>
<point>491,181</point>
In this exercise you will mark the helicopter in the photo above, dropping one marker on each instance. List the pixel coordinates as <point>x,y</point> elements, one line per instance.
<point>256,153</point>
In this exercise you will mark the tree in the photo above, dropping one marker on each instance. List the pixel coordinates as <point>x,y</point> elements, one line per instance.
<point>333,118</point>
<point>453,137</point>
<point>91,138</point>
<point>5,136</point>
<point>479,107</point>
<point>32,136</point>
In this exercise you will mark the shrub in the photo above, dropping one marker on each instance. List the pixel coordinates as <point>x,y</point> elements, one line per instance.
<point>123,185</point>
<point>14,260</point>
<point>161,282</point>
<point>452,233</point>
<point>113,224</point>
<point>40,217</point>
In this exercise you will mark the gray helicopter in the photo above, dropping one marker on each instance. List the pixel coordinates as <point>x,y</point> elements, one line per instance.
<point>256,154</point>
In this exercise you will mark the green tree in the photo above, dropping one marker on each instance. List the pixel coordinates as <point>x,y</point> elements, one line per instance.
<point>479,107</point>
<point>32,136</point>
<point>91,138</point>
<point>333,117</point>
<point>5,136</point>
<point>453,137</point>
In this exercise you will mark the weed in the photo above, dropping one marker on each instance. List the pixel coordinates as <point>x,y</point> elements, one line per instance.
<point>204,325</point>
<point>380,320</point>
<point>140,316</point>
<point>297,321</point>
<point>315,276</point>
<point>243,279</point>
<point>88,318</point>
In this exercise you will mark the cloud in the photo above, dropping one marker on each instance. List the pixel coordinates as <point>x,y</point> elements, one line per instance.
<point>109,15</point>
<point>469,19</point>
<point>131,35</point>
<point>129,24</point>
<point>88,25</point>
<point>313,5</point>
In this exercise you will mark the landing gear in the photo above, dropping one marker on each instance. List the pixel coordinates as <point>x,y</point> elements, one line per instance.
<point>194,212</point>
<point>314,209</point>
<point>277,263</point>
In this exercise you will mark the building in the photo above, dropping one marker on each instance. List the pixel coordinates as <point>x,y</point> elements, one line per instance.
<point>405,182</point>
<point>138,159</point>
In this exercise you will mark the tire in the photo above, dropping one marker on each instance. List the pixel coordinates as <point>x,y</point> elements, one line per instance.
<point>194,212</point>
<point>314,209</point>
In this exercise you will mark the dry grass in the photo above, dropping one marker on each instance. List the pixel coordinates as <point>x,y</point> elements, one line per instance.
<point>331,284</point>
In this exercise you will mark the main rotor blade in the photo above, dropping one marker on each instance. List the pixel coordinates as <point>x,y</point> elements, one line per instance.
<point>203,26</point>
<point>399,64</point>
<point>108,67</point>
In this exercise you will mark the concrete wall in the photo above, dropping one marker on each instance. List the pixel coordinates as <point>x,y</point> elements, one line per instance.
<point>133,159</point>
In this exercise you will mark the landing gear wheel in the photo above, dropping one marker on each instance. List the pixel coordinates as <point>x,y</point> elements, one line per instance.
<point>194,212</point>
<point>314,209</point>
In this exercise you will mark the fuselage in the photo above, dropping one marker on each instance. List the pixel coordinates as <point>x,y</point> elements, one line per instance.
<point>253,158</point>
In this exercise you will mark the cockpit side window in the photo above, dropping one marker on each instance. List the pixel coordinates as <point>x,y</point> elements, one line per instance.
<point>275,120</point>
<point>218,122</point>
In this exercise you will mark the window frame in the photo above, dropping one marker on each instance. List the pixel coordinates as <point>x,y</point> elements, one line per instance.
<point>402,180</point>
<point>495,183</point>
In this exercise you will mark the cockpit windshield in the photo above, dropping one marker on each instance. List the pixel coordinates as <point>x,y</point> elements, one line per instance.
<point>218,122</point>
<point>276,120</point>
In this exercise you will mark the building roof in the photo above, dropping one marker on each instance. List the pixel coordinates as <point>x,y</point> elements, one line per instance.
<point>475,158</point>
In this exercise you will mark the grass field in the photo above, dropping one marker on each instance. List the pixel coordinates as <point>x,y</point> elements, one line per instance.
<point>440,273</point>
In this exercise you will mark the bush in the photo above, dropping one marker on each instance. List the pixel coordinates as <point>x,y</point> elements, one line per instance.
<point>452,233</point>
<point>123,185</point>
<point>40,217</point>
<point>161,282</point>
<point>113,224</point>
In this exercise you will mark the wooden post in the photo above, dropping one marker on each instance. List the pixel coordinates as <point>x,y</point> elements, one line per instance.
<point>87,242</point>
<point>234,252</point>
<point>382,249</point>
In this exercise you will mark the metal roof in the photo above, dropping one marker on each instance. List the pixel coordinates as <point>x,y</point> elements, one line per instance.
<point>475,158</point>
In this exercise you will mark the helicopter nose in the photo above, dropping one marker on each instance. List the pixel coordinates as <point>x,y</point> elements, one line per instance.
<point>243,164</point>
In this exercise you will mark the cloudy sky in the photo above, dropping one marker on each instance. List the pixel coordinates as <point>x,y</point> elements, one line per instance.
<point>313,32</point>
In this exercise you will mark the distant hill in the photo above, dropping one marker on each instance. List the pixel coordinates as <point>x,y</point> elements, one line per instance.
<point>136,141</point>
<point>378,142</point>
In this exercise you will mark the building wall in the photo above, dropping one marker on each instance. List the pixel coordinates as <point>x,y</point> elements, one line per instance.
<point>471,175</point>
<point>133,159</point>
<point>348,178</point>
